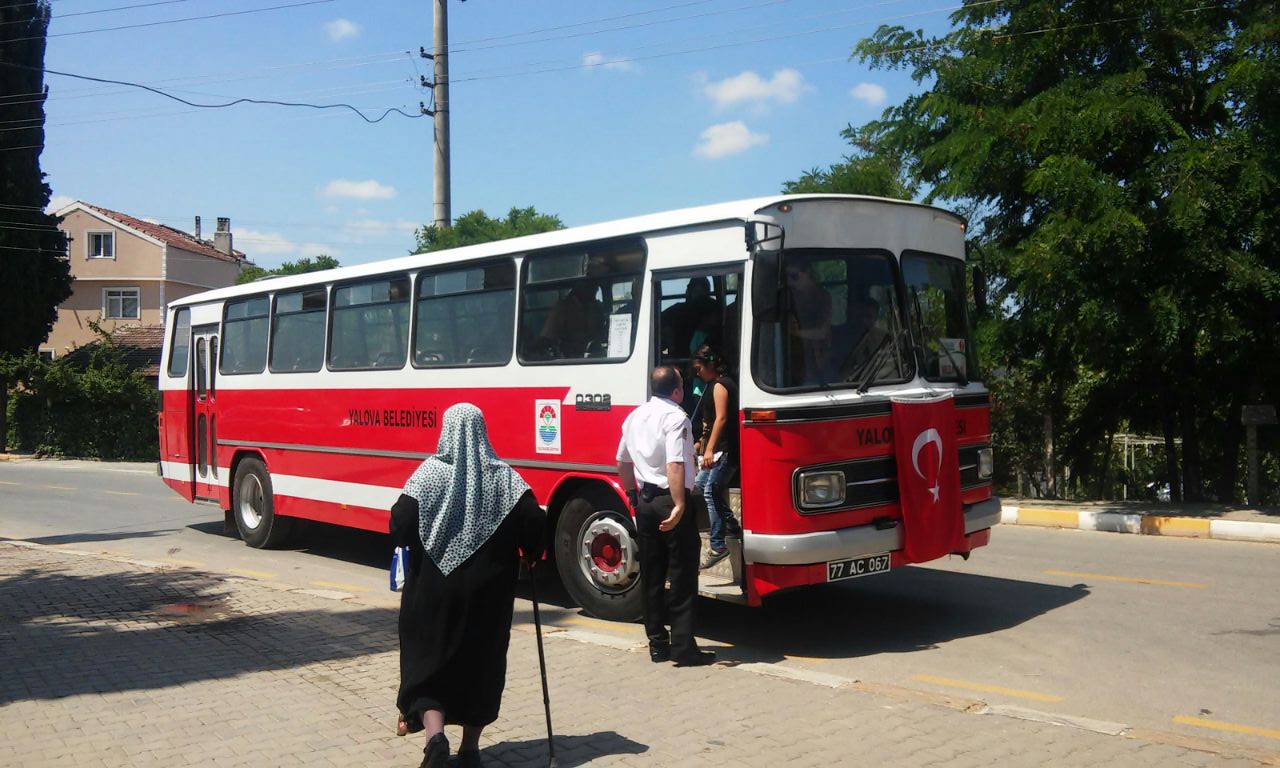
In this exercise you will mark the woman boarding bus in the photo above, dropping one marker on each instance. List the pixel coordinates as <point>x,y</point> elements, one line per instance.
<point>864,434</point>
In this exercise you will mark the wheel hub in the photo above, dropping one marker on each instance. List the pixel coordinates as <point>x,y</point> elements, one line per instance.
<point>609,554</point>
<point>250,502</point>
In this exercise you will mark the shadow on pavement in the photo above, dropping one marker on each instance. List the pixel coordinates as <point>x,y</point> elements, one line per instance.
<point>63,635</point>
<point>908,610</point>
<point>335,542</point>
<point>84,538</point>
<point>570,750</point>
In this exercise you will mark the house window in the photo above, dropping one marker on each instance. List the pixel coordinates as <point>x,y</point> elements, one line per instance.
<point>46,355</point>
<point>102,245</point>
<point>120,304</point>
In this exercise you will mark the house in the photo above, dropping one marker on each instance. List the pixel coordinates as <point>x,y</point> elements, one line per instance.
<point>139,345</point>
<point>127,270</point>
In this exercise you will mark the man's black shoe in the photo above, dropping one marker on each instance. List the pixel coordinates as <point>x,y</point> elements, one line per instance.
<point>659,653</point>
<point>697,659</point>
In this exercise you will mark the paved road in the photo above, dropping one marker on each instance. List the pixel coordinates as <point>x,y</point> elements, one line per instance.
<point>1149,632</point>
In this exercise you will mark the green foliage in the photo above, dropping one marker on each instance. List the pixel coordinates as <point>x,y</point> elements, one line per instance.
<point>476,227</point>
<point>869,170</point>
<point>301,266</point>
<point>104,411</point>
<point>1121,161</point>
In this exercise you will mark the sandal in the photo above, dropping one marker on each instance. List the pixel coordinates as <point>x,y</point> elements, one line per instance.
<point>404,728</point>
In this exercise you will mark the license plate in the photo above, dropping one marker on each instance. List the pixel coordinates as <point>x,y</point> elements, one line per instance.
<point>838,570</point>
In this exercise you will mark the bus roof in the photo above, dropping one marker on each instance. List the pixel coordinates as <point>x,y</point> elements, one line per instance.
<point>740,210</point>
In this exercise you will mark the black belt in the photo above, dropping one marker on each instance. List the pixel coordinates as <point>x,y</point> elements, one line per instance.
<point>649,491</point>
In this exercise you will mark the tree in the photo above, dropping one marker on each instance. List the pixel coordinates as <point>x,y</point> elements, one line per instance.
<point>476,227</point>
<point>869,170</point>
<point>301,266</point>
<point>1123,157</point>
<point>35,275</point>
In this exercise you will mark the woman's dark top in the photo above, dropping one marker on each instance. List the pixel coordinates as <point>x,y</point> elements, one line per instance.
<point>707,415</point>
<point>454,630</point>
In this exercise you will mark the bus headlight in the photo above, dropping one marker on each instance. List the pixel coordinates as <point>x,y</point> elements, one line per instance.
<point>821,489</point>
<point>986,463</point>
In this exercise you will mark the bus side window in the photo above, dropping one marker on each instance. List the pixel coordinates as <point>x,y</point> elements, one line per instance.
<point>571,299</point>
<point>465,317</point>
<point>370,325</point>
<point>244,336</point>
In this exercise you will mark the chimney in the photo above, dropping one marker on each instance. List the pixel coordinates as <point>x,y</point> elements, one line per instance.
<point>197,232</point>
<point>222,237</point>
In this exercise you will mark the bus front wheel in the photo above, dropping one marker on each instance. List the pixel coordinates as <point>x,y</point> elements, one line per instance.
<point>253,505</point>
<point>598,557</point>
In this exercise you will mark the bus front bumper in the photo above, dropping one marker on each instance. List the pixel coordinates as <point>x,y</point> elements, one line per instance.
<point>807,548</point>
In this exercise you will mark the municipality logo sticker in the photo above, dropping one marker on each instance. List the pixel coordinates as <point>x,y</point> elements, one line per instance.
<point>547,424</point>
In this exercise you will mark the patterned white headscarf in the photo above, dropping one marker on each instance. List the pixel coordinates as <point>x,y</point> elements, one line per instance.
<point>464,491</point>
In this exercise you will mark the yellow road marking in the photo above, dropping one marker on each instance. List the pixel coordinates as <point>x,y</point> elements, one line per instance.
<point>1131,579</point>
<point>789,657</point>
<point>1175,526</point>
<point>6,482</point>
<point>60,487</point>
<point>630,629</point>
<point>121,493</point>
<point>185,563</point>
<point>1052,518</point>
<point>1218,725</point>
<point>252,574</point>
<point>343,587</point>
<point>1014,692</point>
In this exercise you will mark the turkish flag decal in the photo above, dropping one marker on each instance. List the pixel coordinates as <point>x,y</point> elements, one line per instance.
<point>928,477</point>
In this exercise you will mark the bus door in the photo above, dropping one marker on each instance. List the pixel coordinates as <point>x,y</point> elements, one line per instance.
<point>693,307</point>
<point>204,419</point>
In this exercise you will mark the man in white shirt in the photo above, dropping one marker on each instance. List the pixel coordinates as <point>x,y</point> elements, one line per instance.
<point>656,466</point>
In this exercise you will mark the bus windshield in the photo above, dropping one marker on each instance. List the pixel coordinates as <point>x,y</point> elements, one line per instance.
<point>827,319</point>
<point>936,305</point>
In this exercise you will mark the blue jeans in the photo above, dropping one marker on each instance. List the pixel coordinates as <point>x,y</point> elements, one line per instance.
<point>710,481</point>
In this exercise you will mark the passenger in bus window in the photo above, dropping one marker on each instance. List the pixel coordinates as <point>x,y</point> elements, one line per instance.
<point>577,319</point>
<point>716,419</point>
<point>696,315</point>
<point>810,325</point>
<point>656,468</point>
<point>465,515</point>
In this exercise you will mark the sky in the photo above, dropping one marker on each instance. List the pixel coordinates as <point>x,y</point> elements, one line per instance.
<point>588,110</point>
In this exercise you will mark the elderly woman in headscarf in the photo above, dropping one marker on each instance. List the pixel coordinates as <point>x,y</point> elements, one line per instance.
<point>463,514</point>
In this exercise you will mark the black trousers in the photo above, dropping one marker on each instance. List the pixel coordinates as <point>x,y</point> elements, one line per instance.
<point>668,554</point>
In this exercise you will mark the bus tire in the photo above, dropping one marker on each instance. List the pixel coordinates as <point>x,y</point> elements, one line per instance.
<point>598,557</point>
<point>253,506</point>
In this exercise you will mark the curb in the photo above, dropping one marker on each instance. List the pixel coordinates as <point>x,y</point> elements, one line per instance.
<point>1151,525</point>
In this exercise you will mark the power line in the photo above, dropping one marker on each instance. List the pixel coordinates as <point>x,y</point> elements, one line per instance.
<point>100,10</point>
<point>227,104</point>
<point>172,21</point>
<point>583,23</point>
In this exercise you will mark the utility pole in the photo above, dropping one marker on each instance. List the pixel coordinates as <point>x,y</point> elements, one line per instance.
<point>440,111</point>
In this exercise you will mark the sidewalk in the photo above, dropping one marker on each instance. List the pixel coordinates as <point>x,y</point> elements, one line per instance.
<point>112,663</point>
<point>1205,521</point>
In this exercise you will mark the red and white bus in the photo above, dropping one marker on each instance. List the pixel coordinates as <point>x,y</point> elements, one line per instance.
<point>315,396</point>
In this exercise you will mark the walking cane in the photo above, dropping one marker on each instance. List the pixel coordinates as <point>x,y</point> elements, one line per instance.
<point>542,666</point>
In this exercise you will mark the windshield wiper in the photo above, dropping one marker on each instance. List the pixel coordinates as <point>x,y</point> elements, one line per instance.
<point>870,366</point>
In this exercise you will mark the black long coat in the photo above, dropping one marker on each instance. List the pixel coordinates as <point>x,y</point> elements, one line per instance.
<point>454,630</point>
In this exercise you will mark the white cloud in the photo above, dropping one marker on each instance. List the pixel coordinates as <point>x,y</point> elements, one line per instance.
<point>784,88</point>
<point>261,246</point>
<point>58,202</point>
<point>361,190</point>
<point>360,227</point>
<point>726,139</point>
<point>596,59</point>
<point>342,29</point>
<point>874,95</point>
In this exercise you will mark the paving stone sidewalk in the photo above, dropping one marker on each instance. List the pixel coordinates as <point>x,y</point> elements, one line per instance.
<point>114,663</point>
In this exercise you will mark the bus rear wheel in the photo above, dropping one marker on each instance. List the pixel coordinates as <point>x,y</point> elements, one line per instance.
<point>598,557</point>
<point>253,506</point>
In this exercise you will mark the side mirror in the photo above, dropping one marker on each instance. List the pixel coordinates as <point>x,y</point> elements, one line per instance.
<point>980,291</point>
